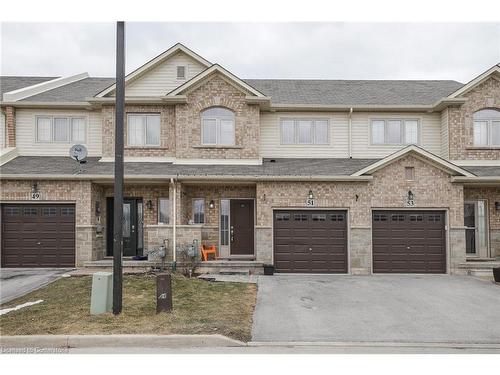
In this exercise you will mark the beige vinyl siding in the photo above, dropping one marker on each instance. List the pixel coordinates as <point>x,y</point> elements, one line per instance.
<point>2,131</point>
<point>26,132</point>
<point>430,133</point>
<point>270,136</point>
<point>445,146</point>
<point>163,78</point>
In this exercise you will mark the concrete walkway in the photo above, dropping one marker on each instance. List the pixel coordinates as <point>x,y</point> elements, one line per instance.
<point>392,308</point>
<point>16,282</point>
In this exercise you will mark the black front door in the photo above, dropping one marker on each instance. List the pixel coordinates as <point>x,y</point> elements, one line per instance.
<point>132,226</point>
<point>242,227</point>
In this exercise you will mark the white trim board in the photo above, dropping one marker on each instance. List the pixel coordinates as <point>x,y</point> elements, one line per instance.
<point>476,81</point>
<point>438,161</point>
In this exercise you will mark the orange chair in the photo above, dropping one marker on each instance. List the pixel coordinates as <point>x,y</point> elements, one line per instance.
<point>207,250</point>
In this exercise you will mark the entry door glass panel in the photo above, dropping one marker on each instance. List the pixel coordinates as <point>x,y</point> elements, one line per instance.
<point>476,233</point>
<point>470,231</point>
<point>126,220</point>
<point>140,222</point>
<point>224,222</point>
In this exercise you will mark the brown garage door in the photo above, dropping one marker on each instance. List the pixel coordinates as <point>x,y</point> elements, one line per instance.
<point>409,242</point>
<point>310,241</point>
<point>38,235</point>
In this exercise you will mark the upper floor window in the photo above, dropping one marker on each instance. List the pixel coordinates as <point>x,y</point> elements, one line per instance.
<point>305,131</point>
<point>181,72</point>
<point>60,129</point>
<point>217,126</point>
<point>143,129</point>
<point>395,131</point>
<point>487,128</point>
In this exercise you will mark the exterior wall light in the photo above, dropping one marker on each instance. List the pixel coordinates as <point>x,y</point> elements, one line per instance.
<point>497,206</point>
<point>34,187</point>
<point>149,204</point>
<point>211,204</point>
<point>310,195</point>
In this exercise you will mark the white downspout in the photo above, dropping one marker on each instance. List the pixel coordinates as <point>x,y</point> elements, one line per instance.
<point>349,133</point>
<point>174,225</point>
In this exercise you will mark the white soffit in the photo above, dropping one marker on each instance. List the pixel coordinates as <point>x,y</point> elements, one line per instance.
<point>26,92</point>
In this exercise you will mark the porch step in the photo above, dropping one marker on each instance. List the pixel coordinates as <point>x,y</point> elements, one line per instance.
<point>230,267</point>
<point>479,268</point>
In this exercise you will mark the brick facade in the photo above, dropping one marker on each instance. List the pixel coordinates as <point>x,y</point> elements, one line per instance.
<point>432,188</point>
<point>216,91</point>
<point>167,128</point>
<point>10,126</point>
<point>460,122</point>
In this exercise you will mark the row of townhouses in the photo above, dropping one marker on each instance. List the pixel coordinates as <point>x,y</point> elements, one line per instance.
<point>311,176</point>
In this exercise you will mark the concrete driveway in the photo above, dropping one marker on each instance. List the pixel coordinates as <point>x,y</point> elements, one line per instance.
<point>393,308</point>
<point>16,282</point>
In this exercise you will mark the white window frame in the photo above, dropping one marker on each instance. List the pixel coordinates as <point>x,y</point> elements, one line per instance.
<point>402,137</point>
<point>204,210</point>
<point>296,139</point>
<point>52,130</point>
<point>168,210</point>
<point>489,130</point>
<point>177,72</point>
<point>218,120</point>
<point>144,128</point>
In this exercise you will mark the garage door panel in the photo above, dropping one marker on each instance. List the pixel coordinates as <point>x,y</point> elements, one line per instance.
<point>38,235</point>
<point>316,242</point>
<point>409,242</point>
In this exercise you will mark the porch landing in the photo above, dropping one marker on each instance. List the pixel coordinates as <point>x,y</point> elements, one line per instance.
<point>480,267</point>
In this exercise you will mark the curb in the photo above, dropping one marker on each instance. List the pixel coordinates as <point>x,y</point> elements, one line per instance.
<point>145,341</point>
<point>380,344</point>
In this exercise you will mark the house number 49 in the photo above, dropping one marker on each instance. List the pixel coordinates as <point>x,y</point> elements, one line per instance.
<point>35,196</point>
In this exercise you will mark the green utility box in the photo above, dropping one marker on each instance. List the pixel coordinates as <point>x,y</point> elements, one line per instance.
<point>101,300</point>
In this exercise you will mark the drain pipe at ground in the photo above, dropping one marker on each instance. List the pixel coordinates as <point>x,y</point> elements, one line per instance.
<point>174,226</point>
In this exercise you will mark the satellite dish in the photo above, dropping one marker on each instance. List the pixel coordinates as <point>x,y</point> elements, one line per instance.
<point>78,152</point>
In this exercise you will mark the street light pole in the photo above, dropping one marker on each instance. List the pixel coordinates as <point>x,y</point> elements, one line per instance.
<point>118,200</point>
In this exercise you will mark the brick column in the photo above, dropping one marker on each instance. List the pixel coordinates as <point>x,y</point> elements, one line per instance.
<point>10,126</point>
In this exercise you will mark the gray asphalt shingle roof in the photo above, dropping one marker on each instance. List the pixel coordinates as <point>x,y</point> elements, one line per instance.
<point>46,165</point>
<point>344,92</point>
<point>484,171</point>
<point>73,92</point>
<point>283,91</point>
<point>11,83</point>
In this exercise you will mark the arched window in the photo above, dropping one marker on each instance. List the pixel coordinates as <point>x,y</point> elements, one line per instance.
<point>217,126</point>
<point>487,128</point>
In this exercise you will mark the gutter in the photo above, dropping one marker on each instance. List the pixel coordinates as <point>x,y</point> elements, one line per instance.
<point>174,225</point>
<point>477,180</point>
<point>211,178</point>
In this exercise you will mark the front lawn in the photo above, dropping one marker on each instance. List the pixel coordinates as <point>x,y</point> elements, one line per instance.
<point>200,307</point>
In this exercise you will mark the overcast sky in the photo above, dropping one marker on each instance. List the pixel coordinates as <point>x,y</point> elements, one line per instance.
<point>279,50</point>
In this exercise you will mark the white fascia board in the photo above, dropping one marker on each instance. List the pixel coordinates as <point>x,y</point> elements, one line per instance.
<point>193,178</point>
<point>347,107</point>
<point>476,81</point>
<point>25,92</point>
<point>476,163</point>
<point>438,161</point>
<point>478,180</point>
<point>218,161</point>
<point>216,68</point>
<point>139,159</point>
<point>154,62</point>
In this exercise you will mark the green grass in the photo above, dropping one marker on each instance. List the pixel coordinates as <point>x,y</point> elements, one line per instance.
<point>200,307</point>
